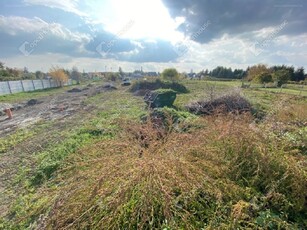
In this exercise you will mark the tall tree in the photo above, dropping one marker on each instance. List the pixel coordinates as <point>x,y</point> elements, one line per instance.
<point>170,74</point>
<point>39,74</point>
<point>256,70</point>
<point>59,75</point>
<point>290,70</point>
<point>75,74</point>
<point>281,76</point>
<point>299,74</point>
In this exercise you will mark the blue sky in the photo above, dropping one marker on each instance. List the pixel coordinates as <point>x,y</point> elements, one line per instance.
<point>152,34</point>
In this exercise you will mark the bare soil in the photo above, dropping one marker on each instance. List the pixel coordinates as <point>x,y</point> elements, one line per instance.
<point>60,106</point>
<point>65,110</point>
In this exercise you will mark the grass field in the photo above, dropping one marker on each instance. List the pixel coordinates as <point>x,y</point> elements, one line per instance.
<point>105,168</point>
<point>287,91</point>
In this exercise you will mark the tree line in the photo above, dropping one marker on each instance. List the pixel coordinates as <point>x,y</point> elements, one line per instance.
<point>279,74</point>
<point>224,72</point>
<point>259,73</point>
<point>57,73</point>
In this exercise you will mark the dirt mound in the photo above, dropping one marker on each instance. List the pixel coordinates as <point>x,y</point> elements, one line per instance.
<point>75,90</point>
<point>109,86</point>
<point>32,102</point>
<point>223,104</point>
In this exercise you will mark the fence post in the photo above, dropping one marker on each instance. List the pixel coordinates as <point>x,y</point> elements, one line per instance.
<point>8,84</point>
<point>23,88</point>
<point>33,85</point>
<point>302,88</point>
<point>281,88</point>
<point>43,84</point>
<point>50,86</point>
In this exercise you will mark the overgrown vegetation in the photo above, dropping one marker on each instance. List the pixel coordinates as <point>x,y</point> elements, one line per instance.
<point>229,103</point>
<point>132,168</point>
<point>279,74</point>
<point>141,87</point>
<point>58,74</point>
<point>160,98</point>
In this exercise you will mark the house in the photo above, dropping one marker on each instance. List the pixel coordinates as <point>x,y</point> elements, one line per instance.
<point>191,75</point>
<point>96,75</point>
<point>152,74</point>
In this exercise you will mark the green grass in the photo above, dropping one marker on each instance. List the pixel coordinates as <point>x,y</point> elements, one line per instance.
<point>286,91</point>
<point>110,169</point>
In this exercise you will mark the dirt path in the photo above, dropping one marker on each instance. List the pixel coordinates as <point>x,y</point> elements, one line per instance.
<point>30,112</point>
<point>66,110</point>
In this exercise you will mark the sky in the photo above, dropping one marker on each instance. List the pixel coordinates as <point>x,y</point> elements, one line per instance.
<point>152,34</point>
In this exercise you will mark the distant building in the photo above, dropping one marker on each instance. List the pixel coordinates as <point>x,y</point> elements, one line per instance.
<point>152,74</point>
<point>96,75</point>
<point>137,74</point>
<point>191,75</point>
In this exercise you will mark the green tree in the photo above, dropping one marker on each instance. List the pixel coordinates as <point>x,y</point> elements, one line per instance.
<point>264,77</point>
<point>75,74</point>
<point>39,74</point>
<point>281,76</point>
<point>222,72</point>
<point>170,74</point>
<point>121,72</point>
<point>290,69</point>
<point>257,70</point>
<point>299,74</point>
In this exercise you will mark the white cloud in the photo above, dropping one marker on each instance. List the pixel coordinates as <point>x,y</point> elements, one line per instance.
<point>66,34</point>
<point>15,25</point>
<point>34,62</point>
<point>139,41</point>
<point>66,5</point>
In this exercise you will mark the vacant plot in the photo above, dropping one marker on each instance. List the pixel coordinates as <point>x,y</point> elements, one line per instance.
<point>89,160</point>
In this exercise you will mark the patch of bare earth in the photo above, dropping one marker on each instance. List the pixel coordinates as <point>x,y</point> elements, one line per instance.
<point>66,111</point>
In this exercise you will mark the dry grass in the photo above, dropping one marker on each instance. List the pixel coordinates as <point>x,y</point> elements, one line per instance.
<point>152,179</point>
<point>221,171</point>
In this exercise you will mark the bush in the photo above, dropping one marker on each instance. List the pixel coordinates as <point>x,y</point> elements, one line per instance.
<point>141,87</point>
<point>170,119</point>
<point>263,78</point>
<point>160,98</point>
<point>281,77</point>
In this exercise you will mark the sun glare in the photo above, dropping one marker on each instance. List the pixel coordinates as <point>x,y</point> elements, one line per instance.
<point>136,19</point>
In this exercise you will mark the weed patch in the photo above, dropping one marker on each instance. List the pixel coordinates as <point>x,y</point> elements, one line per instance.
<point>141,87</point>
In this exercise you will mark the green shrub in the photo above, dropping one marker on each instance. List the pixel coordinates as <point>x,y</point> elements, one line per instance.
<point>160,98</point>
<point>143,86</point>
